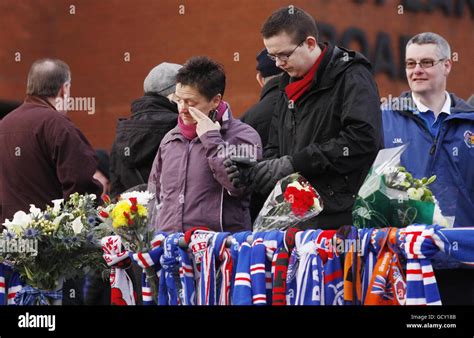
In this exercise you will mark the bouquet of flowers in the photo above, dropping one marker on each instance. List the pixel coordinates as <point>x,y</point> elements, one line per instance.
<point>292,200</point>
<point>50,246</point>
<point>128,218</point>
<point>392,197</point>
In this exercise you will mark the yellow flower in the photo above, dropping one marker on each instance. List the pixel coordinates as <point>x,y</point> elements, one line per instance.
<point>142,211</point>
<point>117,214</point>
<point>119,221</point>
<point>118,217</point>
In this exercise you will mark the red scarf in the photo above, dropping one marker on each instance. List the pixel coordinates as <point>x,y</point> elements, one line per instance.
<point>295,89</point>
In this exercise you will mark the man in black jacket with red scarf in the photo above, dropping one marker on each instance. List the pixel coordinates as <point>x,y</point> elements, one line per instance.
<point>327,121</point>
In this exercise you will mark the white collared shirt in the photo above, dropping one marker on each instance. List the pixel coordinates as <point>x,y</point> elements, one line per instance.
<point>423,109</point>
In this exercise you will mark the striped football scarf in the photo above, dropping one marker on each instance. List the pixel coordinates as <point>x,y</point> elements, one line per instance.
<point>305,271</point>
<point>150,261</point>
<point>15,285</point>
<point>186,275</point>
<point>456,242</point>
<point>388,283</point>
<point>170,281</point>
<point>368,260</point>
<point>121,286</point>
<point>352,266</point>
<point>281,267</point>
<point>10,284</point>
<point>215,283</point>
<point>242,293</point>
<point>333,272</point>
<point>3,285</point>
<point>258,268</point>
<point>198,241</point>
<point>236,241</point>
<point>262,264</point>
<point>421,281</point>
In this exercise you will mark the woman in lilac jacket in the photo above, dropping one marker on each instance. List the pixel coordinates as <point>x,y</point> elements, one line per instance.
<point>188,175</point>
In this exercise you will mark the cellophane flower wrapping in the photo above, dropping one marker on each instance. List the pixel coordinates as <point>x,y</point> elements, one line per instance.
<point>293,200</point>
<point>391,197</point>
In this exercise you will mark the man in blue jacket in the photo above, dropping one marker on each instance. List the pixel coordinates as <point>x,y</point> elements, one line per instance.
<point>439,128</point>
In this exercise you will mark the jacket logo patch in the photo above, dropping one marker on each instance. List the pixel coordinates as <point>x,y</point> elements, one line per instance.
<point>397,140</point>
<point>469,138</point>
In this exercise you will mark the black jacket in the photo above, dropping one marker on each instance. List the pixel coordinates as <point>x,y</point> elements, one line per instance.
<point>259,115</point>
<point>333,133</point>
<point>137,140</point>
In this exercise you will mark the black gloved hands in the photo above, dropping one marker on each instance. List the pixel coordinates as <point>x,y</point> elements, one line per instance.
<point>266,174</point>
<point>238,170</point>
<point>261,177</point>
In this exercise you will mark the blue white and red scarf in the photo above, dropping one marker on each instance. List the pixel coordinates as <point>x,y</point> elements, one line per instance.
<point>186,275</point>
<point>215,283</point>
<point>10,284</point>
<point>170,265</point>
<point>199,240</point>
<point>150,261</point>
<point>236,241</point>
<point>422,288</point>
<point>305,279</point>
<point>242,292</point>
<point>456,242</point>
<point>333,272</point>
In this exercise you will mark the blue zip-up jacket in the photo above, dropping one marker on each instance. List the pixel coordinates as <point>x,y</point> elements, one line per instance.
<point>449,156</point>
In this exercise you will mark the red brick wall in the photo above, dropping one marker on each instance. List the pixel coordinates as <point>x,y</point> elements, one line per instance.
<point>94,39</point>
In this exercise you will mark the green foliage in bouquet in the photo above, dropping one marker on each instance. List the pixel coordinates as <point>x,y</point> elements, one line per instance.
<point>62,241</point>
<point>394,199</point>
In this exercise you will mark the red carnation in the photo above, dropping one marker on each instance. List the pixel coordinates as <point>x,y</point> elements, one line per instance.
<point>133,200</point>
<point>103,214</point>
<point>290,193</point>
<point>301,200</point>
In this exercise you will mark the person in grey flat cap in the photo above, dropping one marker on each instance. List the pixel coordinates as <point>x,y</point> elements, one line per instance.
<point>138,137</point>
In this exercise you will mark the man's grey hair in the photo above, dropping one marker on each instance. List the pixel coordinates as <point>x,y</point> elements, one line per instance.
<point>444,51</point>
<point>46,76</point>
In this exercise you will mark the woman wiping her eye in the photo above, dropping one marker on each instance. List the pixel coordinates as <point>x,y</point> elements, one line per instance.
<point>188,174</point>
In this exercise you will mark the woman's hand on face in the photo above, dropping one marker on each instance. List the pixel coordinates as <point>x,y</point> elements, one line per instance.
<point>204,123</point>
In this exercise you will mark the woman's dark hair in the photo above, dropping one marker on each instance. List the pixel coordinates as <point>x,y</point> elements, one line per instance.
<point>293,21</point>
<point>203,73</point>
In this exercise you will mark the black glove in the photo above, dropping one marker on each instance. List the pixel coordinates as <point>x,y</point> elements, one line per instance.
<point>266,174</point>
<point>238,170</point>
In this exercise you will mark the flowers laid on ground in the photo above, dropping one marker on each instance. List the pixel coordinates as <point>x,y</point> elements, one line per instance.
<point>65,237</point>
<point>292,200</point>
<point>391,196</point>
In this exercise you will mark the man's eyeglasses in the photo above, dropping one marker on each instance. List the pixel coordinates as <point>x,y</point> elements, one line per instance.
<point>283,57</point>
<point>425,63</point>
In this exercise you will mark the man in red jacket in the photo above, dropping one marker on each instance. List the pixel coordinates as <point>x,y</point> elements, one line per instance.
<point>43,156</point>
